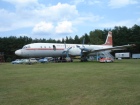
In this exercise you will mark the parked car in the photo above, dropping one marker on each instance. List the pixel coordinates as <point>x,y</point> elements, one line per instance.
<point>30,61</point>
<point>33,60</point>
<point>25,61</point>
<point>17,61</point>
<point>106,60</point>
<point>45,60</point>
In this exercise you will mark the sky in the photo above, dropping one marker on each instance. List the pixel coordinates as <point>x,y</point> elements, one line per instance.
<point>57,19</point>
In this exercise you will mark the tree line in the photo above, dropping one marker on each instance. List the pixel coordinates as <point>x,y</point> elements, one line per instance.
<point>121,36</point>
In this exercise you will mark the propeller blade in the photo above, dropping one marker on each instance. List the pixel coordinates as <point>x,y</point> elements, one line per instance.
<point>82,48</point>
<point>83,41</point>
<point>65,44</point>
<point>66,50</point>
<point>69,48</point>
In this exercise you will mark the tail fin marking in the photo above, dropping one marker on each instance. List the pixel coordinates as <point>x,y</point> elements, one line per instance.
<point>109,39</point>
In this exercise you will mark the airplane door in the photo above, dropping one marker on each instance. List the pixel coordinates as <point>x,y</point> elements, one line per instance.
<point>54,47</point>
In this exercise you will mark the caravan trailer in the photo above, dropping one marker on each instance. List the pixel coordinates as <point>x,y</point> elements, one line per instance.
<point>136,56</point>
<point>122,55</point>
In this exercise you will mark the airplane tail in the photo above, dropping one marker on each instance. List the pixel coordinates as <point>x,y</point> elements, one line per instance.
<point>109,41</point>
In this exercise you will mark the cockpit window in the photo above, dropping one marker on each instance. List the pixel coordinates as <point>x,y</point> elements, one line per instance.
<point>24,47</point>
<point>27,46</point>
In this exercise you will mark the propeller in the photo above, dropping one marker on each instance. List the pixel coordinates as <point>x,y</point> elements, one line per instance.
<point>82,48</point>
<point>66,51</point>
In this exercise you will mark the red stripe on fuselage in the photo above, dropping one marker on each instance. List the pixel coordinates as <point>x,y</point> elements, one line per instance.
<point>44,49</point>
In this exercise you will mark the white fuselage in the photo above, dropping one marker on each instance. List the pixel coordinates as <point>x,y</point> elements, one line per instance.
<point>54,49</point>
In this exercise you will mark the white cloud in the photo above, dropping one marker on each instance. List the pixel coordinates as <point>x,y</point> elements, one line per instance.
<point>43,28</point>
<point>88,2</point>
<point>76,2</point>
<point>94,2</point>
<point>121,3</point>
<point>21,2</point>
<point>62,12</point>
<point>43,17</point>
<point>86,18</point>
<point>48,13</point>
<point>29,17</point>
<point>54,19</point>
<point>64,27</point>
<point>6,19</point>
<point>12,21</point>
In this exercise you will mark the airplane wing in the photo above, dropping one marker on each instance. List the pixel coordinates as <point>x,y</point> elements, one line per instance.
<point>111,48</point>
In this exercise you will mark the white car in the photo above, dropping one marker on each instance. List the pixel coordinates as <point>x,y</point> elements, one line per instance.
<point>17,61</point>
<point>30,61</point>
<point>33,60</point>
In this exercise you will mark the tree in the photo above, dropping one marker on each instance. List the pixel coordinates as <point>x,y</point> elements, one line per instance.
<point>96,37</point>
<point>87,39</point>
<point>76,39</point>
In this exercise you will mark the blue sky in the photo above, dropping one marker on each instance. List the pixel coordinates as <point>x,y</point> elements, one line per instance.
<point>57,19</point>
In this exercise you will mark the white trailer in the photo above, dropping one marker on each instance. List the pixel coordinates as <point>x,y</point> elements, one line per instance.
<point>136,56</point>
<point>122,55</point>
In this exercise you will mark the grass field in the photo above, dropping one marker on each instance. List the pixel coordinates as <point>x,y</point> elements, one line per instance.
<point>77,83</point>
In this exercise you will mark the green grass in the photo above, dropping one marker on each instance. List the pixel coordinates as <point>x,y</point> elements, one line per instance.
<point>77,83</point>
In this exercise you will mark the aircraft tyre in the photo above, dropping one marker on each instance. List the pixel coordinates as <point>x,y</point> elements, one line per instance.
<point>84,59</point>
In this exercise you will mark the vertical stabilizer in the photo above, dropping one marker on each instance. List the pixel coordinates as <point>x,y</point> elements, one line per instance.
<point>109,41</point>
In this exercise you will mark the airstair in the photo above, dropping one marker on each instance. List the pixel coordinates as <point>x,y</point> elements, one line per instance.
<point>98,55</point>
<point>106,54</point>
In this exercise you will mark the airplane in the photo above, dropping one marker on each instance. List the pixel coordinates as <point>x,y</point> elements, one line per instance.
<point>68,50</point>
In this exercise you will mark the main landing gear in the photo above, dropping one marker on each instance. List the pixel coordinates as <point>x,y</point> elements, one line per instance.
<point>84,59</point>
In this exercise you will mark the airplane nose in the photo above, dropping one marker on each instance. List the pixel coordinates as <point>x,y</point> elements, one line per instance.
<point>18,52</point>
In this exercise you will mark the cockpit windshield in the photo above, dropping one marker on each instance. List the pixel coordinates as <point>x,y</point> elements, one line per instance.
<point>26,46</point>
